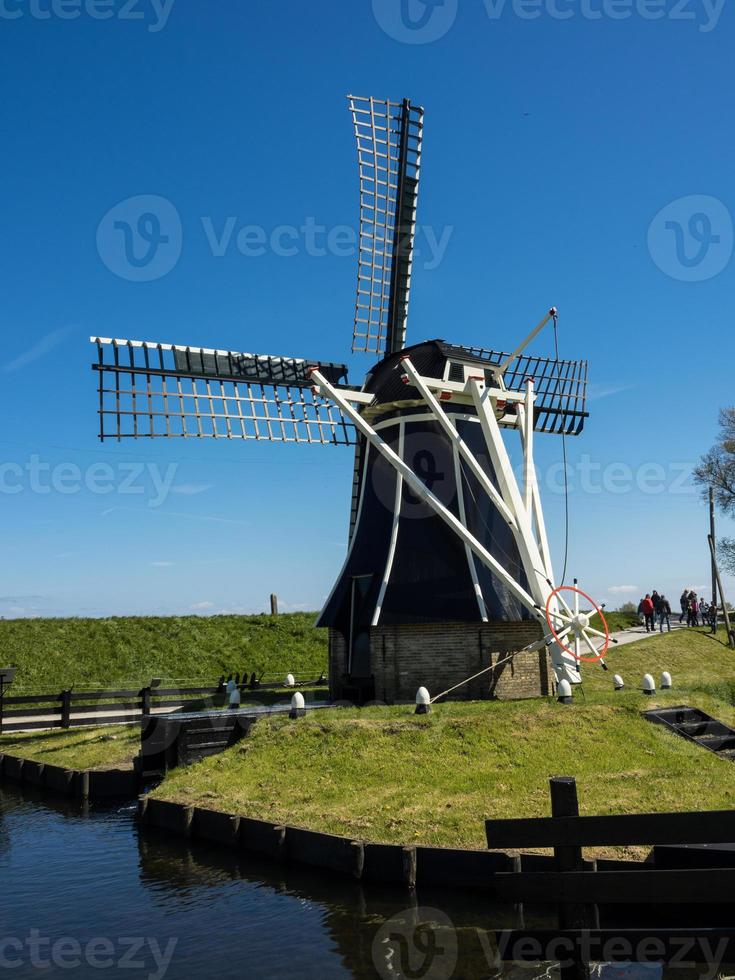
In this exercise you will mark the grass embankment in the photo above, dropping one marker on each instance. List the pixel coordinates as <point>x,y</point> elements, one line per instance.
<point>620,620</point>
<point>384,774</point>
<point>52,654</point>
<point>78,748</point>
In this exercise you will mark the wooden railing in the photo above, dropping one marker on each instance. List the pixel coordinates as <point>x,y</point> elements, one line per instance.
<point>70,708</point>
<point>578,888</point>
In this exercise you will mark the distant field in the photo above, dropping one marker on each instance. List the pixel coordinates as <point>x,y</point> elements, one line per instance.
<point>52,654</point>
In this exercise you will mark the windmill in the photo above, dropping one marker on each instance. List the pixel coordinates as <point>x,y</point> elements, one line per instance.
<point>448,562</point>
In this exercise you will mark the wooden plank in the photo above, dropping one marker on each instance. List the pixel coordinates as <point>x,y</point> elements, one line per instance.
<point>34,699</point>
<point>707,827</point>
<point>453,867</point>
<point>31,713</point>
<point>619,887</point>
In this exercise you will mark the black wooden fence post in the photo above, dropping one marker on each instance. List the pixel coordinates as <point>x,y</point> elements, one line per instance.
<point>66,709</point>
<point>145,701</point>
<point>564,803</point>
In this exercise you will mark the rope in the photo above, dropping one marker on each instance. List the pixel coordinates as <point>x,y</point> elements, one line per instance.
<point>566,474</point>
<point>485,670</point>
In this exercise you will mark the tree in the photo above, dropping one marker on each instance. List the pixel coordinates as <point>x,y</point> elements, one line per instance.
<point>717,470</point>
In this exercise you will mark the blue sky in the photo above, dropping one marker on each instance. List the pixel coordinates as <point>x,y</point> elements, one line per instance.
<point>577,153</point>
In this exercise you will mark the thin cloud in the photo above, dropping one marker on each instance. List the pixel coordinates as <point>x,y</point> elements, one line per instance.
<point>163,564</point>
<point>596,392</point>
<point>40,349</point>
<point>191,489</point>
<point>174,513</point>
<point>203,605</point>
<point>22,598</point>
<point>623,589</point>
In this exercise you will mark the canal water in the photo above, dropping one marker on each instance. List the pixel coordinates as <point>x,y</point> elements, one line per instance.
<point>85,893</point>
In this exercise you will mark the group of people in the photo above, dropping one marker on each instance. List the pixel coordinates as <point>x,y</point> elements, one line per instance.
<point>697,611</point>
<point>655,609</point>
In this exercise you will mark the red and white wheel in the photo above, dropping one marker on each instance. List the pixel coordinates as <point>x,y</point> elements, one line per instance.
<point>564,620</point>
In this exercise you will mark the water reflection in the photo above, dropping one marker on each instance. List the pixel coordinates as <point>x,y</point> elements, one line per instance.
<point>89,876</point>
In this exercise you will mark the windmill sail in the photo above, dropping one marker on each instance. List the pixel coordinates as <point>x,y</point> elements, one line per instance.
<point>161,391</point>
<point>389,140</point>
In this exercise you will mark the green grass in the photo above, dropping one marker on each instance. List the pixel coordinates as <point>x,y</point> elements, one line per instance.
<point>384,774</point>
<point>620,621</point>
<point>52,654</point>
<point>79,748</point>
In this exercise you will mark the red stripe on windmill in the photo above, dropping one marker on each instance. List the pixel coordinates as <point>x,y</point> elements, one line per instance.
<point>442,532</point>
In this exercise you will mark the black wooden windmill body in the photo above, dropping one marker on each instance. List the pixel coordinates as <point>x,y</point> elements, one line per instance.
<point>448,561</point>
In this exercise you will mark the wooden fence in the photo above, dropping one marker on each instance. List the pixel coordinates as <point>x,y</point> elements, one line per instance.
<point>71,709</point>
<point>578,888</point>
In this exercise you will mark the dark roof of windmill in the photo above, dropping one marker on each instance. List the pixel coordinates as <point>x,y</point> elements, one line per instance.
<point>561,386</point>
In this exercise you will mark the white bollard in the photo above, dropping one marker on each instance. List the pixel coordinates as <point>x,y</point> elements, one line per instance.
<point>235,697</point>
<point>298,706</point>
<point>619,682</point>
<point>666,682</point>
<point>564,692</point>
<point>423,701</point>
<point>290,681</point>
<point>649,685</point>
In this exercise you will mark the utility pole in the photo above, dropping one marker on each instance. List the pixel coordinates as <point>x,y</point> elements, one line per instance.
<point>274,605</point>
<point>714,538</point>
<point>725,613</point>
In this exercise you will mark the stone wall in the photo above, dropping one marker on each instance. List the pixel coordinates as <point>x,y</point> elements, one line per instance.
<point>437,656</point>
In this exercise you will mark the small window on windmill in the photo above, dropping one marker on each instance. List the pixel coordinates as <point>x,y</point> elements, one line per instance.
<point>456,371</point>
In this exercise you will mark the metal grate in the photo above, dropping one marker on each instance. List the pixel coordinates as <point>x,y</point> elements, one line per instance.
<point>160,391</point>
<point>389,137</point>
<point>560,386</point>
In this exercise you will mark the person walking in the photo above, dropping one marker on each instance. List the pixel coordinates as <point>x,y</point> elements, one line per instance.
<point>655,599</point>
<point>684,604</point>
<point>647,610</point>
<point>692,610</point>
<point>713,617</point>
<point>664,613</point>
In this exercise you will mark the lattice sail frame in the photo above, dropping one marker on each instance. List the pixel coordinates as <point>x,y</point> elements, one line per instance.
<point>389,143</point>
<point>560,386</point>
<point>149,390</point>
